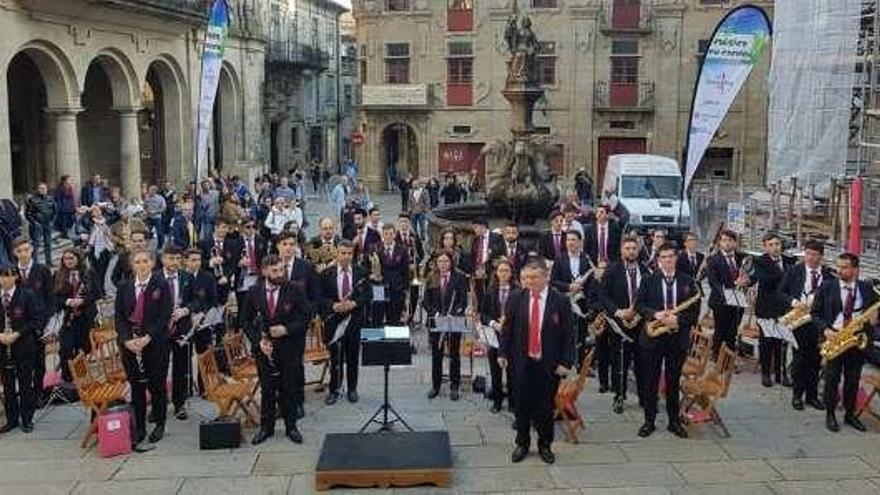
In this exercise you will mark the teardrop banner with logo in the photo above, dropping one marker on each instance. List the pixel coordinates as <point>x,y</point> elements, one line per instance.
<point>733,50</point>
<point>212,62</point>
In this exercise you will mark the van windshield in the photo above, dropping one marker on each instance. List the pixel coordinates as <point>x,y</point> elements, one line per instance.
<point>651,187</point>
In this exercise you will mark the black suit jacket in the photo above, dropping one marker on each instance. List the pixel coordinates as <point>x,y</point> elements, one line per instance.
<point>455,301</point>
<point>157,311</point>
<point>560,276</point>
<point>26,318</point>
<point>361,293</point>
<point>305,277</point>
<point>651,300</point>
<point>547,248</point>
<point>683,263</point>
<point>179,232</point>
<point>201,292</point>
<point>770,303</point>
<point>591,242</point>
<point>791,287</point>
<point>496,248</point>
<point>615,290</point>
<point>231,254</point>
<point>517,258</point>
<point>827,305</point>
<point>557,335</point>
<point>41,282</point>
<point>720,278</point>
<point>90,292</point>
<point>87,198</point>
<point>395,268</point>
<point>292,310</point>
<point>490,305</point>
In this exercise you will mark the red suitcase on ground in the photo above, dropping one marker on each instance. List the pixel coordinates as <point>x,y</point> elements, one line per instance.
<point>114,431</point>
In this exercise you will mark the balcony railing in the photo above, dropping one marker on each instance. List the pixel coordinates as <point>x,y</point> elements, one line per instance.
<point>632,97</point>
<point>187,9</point>
<point>297,55</point>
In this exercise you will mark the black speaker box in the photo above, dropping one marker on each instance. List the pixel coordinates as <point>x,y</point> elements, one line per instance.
<point>221,433</point>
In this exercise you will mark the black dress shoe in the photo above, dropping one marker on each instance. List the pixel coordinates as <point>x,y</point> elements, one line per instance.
<point>786,381</point>
<point>352,396</point>
<point>180,413</point>
<point>647,429</point>
<point>766,381</point>
<point>29,427</point>
<point>151,418</point>
<point>677,429</point>
<point>816,404</point>
<point>547,455</point>
<point>262,436</point>
<point>797,403</point>
<point>298,411</point>
<point>331,398</point>
<point>603,389</point>
<point>157,434</point>
<point>849,419</point>
<point>294,435</point>
<point>453,394</point>
<point>433,393</point>
<point>831,422</point>
<point>495,409</point>
<point>519,454</point>
<point>618,405</point>
<point>140,448</point>
<point>8,427</point>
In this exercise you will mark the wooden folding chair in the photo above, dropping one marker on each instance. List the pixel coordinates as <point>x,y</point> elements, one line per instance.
<point>105,350</point>
<point>228,395</point>
<point>317,353</point>
<point>707,391</point>
<point>873,381</point>
<point>94,394</point>
<point>698,357</point>
<point>566,398</point>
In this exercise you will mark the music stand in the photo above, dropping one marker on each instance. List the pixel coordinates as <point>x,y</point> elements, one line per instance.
<point>385,347</point>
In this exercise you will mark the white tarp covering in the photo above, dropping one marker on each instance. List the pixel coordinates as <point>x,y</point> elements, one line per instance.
<point>811,81</point>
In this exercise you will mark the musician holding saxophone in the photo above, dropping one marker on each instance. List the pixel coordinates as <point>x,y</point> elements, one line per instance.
<point>620,290</point>
<point>799,287</point>
<point>666,296</point>
<point>571,276</point>
<point>842,308</point>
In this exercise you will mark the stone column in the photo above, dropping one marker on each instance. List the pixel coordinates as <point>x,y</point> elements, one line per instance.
<point>67,160</point>
<point>129,152</point>
<point>5,143</point>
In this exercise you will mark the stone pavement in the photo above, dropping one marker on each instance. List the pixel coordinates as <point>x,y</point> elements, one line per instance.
<point>773,449</point>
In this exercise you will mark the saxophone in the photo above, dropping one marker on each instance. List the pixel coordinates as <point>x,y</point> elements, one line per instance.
<point>655,328</point>
<point>850,336</point>
<point>799,315</point>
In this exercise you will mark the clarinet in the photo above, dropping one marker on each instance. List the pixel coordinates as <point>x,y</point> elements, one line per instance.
<point>270,359</point>
<point>7,330</point>
<point>138,356</point>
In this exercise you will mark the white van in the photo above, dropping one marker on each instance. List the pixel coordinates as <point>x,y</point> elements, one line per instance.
<point>649,187</point>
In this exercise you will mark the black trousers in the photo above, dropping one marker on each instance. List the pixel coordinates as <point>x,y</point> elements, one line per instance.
<point>602,358</point>
<point>277,385</point>
<point>496,372</point>
<point>393,307</point>
<point>74,338</point>
<point>296,354</point>
<point>727,320</point>
<point>454,340</point>
<point>152,378</point>
<point>534,403</point>
<point>345,351</point>
<point>658,356</point>
<point>19,399</point>
<point>622,357</point>
<point>772,356</point>
<point>806,363</point>
<point>40,369</point>
<point>181,369</point>
<point>849,367</point>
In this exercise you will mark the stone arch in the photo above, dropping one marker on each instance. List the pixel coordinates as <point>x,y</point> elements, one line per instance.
<point>400,145</point>
<point>123,77</point>
<point>226,116</point>
<point>55,68</point>
<point>163,124</point>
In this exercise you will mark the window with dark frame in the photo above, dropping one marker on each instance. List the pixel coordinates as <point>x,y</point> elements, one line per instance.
<point>544,4</point>
<point>460,63</point>
<point>397,5</point>
<point>624,61</point>
<point>397,63</point>
<point>546,62</point>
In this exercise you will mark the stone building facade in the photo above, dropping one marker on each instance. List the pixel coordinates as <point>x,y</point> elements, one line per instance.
<point>618,77</point>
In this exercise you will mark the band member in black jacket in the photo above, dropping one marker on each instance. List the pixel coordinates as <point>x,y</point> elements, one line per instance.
<point>569,276</point>
<point>620,290</point>
<point>276,313</point>
<point>345,292</point>
<point>22,315</point>
<point>408,238</point>
<point>724,270</point>
<point>690,260</point>
<point>798,287</point>
<point>602,240</point>
<point>770,304</point>
<point>179,283</point>
<point>302,274</point>
<point>446,295</point>
<point>202,296</point>
<point>650,251</point>
<point>537,342</point>
<point>395,277</point>
<point>553,242</point>
<point>659,295</point>
<point>837,303</point>
<point>137,241</point>
<point>492,308</point>
<point>253,249</point>
<point>143,312</point>
<point>37,278</point>
<point>75,294</point>
<point>221,254</point>
<point>326,234</point>
<point>512,249</point>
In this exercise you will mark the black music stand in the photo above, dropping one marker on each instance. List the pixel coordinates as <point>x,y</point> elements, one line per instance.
<point>381,348</point>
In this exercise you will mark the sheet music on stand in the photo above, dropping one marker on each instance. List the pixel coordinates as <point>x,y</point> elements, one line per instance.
<point>487,336</point>
<point>378,293</point>
<point>450,324</point>
<point>736,298</point>
<point>774,330</point>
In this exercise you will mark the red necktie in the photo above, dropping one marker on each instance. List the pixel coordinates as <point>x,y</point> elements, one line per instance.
<point>633,289</point>
<point>535,327</point>
<point>270,301</point>
<point>24,275</point>
<point>511,253</point>
<point>556,244</point>
<point>6,300</point>
<point>849,307</point>
<point>670,293</point>
<point>815,281</point>
<point>346,284</point>
<point>734,271</point>
<point>137,317</point>
<point>603,248</point>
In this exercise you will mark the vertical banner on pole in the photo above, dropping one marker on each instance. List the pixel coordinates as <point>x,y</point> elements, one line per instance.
<point>212,62</point>
<point>734,49</point>
<point>854,245</point>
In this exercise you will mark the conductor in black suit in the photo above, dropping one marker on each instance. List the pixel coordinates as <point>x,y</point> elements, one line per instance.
<point>770,304</point>
<point>276,313</point>
<point>446,295</point>
<point>537,342</point>
<point>659,295</point>
<point>344,292</point>
<point>143,312</point>
<point>838,302</point>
